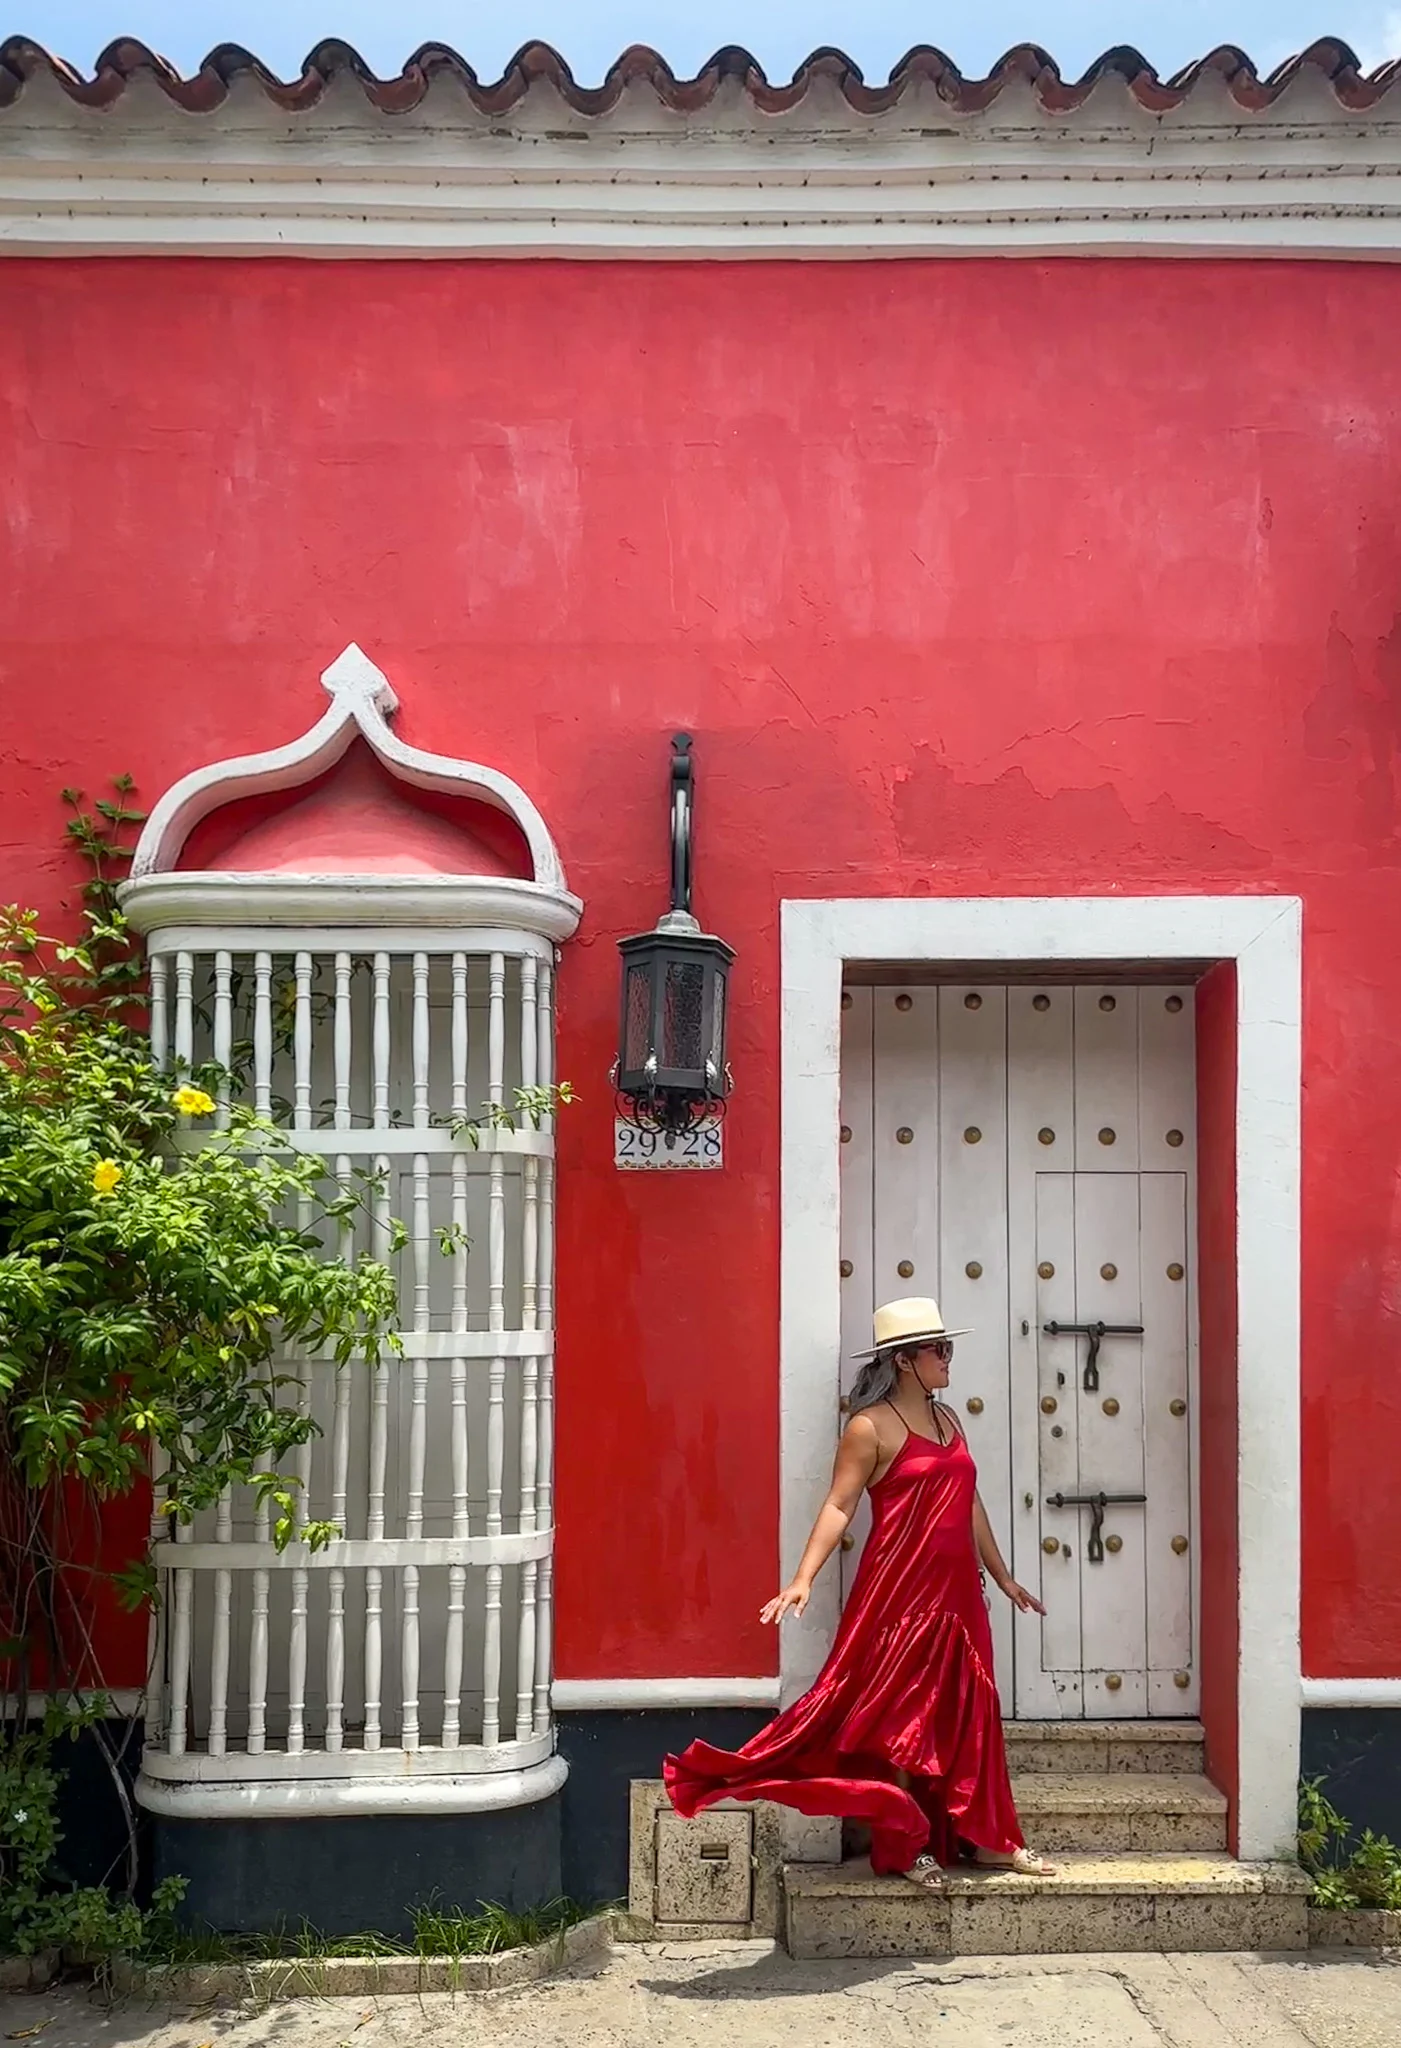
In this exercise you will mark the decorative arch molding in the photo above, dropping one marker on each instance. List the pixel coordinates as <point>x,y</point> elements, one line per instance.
<point>363,701</point>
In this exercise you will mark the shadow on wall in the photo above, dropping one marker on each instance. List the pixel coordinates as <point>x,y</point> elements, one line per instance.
<point>94,1817</point>
<point>1357,1753</point>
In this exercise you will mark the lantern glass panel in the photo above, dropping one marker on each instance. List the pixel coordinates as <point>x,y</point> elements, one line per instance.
<point>683,1005</point>
<point>638,1031</point>
<point>717,1031</point>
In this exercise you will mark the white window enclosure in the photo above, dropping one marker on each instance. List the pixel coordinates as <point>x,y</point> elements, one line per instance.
<point>373,1010</point>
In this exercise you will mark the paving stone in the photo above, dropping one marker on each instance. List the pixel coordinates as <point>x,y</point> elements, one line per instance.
<point>751,1995</point>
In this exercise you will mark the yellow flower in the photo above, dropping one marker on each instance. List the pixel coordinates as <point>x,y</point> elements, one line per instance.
<point>105,1176</point>
<point>194,1102</point>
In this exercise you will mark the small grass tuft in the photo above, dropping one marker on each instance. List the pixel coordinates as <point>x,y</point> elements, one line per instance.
<point>492,1929</point>
<point>437,1931</point>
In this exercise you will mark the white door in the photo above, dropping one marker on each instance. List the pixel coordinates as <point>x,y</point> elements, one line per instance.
<point>1026,1154</point>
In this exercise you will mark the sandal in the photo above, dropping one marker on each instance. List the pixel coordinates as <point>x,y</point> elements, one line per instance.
<point>1022,1863</point>
<point>927,1871</point>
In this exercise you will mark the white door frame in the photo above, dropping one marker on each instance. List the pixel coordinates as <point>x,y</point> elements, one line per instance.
<point>1261,936</point>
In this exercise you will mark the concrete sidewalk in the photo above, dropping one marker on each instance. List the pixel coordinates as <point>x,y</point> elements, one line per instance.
<point>752,1996</point>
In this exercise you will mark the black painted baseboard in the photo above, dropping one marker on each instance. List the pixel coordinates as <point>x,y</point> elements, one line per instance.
<point>346,1875</point>
<point>605,1751</point>
<point>353,1874</point>
<point>97,1810</point>
<point>356,1874</point>
<point>1357,1753</point>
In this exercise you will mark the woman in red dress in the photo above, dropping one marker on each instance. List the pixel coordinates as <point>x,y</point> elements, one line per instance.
<point>903,1728</point>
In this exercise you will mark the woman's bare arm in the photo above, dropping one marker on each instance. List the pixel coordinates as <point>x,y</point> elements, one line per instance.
<point>993,1563</point>
<point>988,1551</point>
<point>858,1454</point>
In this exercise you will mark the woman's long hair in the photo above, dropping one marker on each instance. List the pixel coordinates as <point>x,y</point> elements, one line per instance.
<point>876,1381</point>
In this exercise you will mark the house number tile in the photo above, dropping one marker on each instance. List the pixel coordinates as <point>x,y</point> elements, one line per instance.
<point>649,1151</point>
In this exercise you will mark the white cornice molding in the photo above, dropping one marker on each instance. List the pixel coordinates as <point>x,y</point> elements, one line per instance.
<point>296,1798</point>
<point>1346,1694</point>
<point>1307,178</point>
<point>652,1695</point>
<point>423,904</point>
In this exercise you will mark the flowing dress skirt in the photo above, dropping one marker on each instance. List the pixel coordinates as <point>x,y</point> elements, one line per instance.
<point>903,1728</point>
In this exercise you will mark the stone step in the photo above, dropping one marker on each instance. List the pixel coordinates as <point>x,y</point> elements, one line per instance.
<point>1095,1905</point>
<point>1114,1746</point>
<point>1117,1813</point>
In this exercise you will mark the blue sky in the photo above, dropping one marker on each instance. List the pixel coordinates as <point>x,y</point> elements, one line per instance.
<point>780,32</point>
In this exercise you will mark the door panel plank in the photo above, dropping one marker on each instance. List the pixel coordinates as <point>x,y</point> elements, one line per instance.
<point>857,1167</point>
<point>906,1098</point>
<point>1040,1135</point>
<point>1171,1572</point>
<point>1106,1080</point>
<point>973,1211</point>
<point>1112,1592</point>
<point>1062,1638</point>
<point>1167,1097</point>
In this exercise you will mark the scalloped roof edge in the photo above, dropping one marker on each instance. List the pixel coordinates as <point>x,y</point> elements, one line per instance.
<point>537,64</point>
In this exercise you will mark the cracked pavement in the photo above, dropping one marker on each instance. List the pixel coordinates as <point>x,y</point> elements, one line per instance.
<point>751,1995</point>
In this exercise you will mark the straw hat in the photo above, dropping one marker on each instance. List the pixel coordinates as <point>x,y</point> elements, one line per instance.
<point>900,1323</point>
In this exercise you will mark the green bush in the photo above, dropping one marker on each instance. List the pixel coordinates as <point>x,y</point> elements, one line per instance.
<point>1346,1871</point>
<point>149,1302</point>
<point>142,1307</point>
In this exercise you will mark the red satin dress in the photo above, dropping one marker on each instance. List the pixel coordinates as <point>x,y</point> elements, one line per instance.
<point>908,1689</point>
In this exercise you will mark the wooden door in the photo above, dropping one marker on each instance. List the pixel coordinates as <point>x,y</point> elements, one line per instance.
<point>1026,1155</point>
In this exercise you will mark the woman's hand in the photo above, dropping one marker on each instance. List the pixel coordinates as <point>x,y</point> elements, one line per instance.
<point>1024,1602</point>
<point>792,1600</point>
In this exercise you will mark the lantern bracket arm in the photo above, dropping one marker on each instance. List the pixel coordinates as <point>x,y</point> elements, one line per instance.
<point>682,813</point>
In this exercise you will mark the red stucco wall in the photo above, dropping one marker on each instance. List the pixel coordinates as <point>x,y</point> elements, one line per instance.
<point>967,576</point>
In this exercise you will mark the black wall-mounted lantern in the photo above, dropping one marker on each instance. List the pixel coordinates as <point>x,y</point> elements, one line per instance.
<point>670,1073</point>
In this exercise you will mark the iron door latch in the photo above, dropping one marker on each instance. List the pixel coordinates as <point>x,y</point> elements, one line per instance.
<point>1096,1332</point>
<point>1096,1503</point>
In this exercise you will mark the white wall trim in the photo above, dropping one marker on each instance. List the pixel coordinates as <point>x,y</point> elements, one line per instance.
<point>489,1792</point>
<point>504,1760</point>
<point>401,905</point>
<point>1306,178</point>
<point>126,1702</point>
<point>1262,936</point>
<point>580,1695</point>
<point>1340,1693</point>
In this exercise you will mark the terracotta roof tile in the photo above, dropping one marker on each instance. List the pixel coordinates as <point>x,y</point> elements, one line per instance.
<point>536,63</point>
